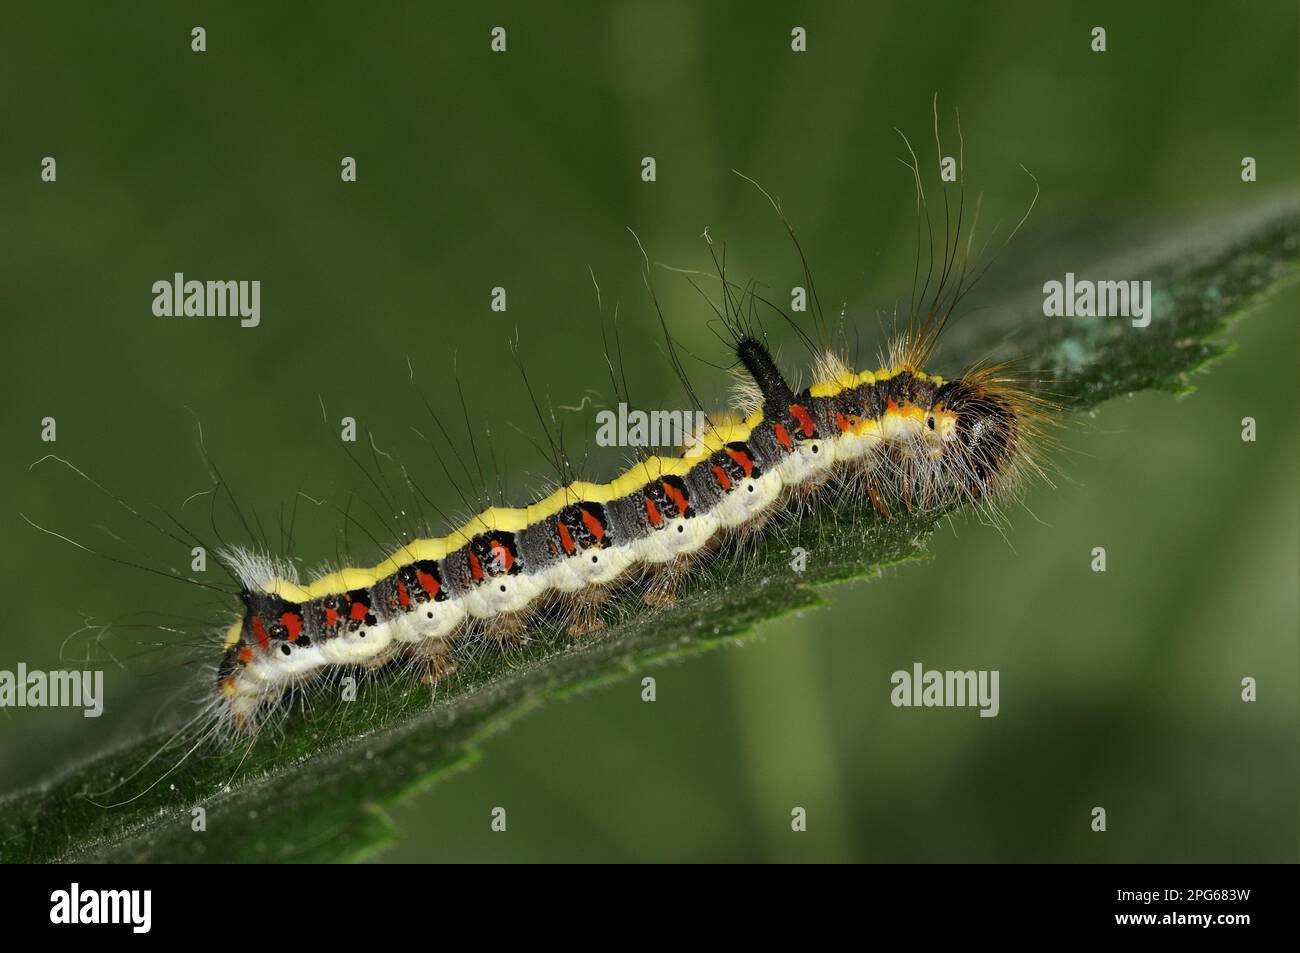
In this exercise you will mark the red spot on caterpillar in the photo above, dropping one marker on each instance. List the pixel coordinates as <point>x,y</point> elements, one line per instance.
<point>782,435</point>
<point>652,511</point>
<point>843,422</point>
<point>246,654</point>
<point>331,616</point>
<point>403,596</point>
<point>801,414</point>
<point>501,556</point>
<point>358,611</point>
<point>677,496</point>
<point>475,568</point>
<point>742,458</point>
<point>594,526</point>
<point>566,539</point>
<point>259,631</point>
<point>429,584</point>
<point>292,623</point>
<point>720,474</point>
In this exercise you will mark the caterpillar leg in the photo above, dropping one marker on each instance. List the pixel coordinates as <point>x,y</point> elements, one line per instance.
<point>663,581</point>
<point>435,657</point>
<point>438,668</point>
<point>245,723</point>
<point>878,503</point>
<point>245,709</point>
<point>585,609</point>
<point>508,630</point>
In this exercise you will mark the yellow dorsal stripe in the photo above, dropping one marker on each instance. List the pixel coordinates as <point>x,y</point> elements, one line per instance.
<point>509,520</point>
<point>848,380</point>
<point>514,519</point>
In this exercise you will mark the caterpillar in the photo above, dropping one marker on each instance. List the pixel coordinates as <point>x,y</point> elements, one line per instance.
<point>895,435</point>
<point>897,432</point>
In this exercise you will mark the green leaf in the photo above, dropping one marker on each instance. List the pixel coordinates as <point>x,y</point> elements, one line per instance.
<point>319,790</point>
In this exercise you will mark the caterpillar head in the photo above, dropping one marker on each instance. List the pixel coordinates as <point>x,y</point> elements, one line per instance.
<point>980,430</point>
<point>263,651</point>
<point>270,624</point>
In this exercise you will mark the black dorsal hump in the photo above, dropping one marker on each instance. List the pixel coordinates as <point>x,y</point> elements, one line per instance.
<point>776,392</point>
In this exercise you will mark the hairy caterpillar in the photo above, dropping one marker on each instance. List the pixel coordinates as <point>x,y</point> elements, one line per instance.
<point>897,432</point>
<point>898,435</point>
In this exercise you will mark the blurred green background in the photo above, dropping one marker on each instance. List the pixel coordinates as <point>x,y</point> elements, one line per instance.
<point>522,170</point>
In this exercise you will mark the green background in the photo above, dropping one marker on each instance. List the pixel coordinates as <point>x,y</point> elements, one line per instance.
<point>522,170</point>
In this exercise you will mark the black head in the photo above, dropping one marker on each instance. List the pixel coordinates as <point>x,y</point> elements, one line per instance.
<point>984,437</point>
